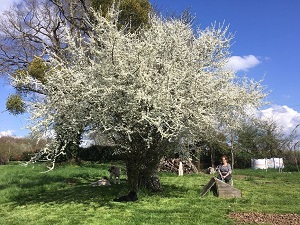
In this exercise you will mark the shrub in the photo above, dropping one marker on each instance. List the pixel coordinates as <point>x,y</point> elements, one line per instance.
<point>98,153</point>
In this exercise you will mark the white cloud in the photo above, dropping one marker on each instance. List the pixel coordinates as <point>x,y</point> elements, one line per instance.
<point>5,4</point>
<point>244,63</point>
<point>6,133</point>
<point>286,117</point>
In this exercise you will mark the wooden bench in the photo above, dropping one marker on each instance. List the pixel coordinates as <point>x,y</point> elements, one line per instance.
<point>221,189</point>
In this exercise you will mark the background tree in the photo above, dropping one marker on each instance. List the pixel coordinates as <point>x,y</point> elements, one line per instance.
<point>259,139</point>
<point>143,89</point>
<point>33,28</point>
<point>133,13</point>
<point>18,149</point>
<point>292,145</point>
<point>28,31</point>
<point>210,149</point>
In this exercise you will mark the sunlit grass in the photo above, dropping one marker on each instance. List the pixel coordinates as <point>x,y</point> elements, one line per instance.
<point>64,196</point>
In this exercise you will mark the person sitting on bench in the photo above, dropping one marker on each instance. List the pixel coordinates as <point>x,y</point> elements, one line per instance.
<point>224,170</point>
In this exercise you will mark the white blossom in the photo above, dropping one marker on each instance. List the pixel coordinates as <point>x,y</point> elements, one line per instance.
<point>165,77</point>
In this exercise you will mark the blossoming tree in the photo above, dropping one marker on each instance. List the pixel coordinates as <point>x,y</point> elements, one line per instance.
<point>146,88</point>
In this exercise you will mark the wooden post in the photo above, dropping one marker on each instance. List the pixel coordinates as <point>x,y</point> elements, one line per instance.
<point>180,169</point>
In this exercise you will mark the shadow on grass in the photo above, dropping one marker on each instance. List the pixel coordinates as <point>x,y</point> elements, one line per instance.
<point>61,190</point>
<point>71,184</point>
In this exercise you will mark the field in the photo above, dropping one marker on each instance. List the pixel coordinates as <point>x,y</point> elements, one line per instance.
<point>64,196</point>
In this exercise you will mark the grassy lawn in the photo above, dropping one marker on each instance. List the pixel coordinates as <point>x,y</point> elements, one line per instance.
<point>64,196</point>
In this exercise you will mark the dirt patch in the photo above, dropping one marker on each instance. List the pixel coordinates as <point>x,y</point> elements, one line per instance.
<point>264,218</point>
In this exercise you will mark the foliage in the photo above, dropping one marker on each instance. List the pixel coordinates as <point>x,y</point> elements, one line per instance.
<point>293,145</point>
<point>15,104</point>
<point>291,160</point>
<point>37,69</point>
<point>64,196</point>
<point>98,154</point>
<point>133,13</point>
<point>261,139</point>
<point>211,150</point>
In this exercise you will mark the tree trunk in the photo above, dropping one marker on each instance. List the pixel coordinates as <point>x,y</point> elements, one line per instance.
<point>142,162</point>
<point>212,156</point>
<point>232,153</point>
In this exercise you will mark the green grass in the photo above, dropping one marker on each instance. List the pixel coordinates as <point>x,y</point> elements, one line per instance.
<point>64,196</point>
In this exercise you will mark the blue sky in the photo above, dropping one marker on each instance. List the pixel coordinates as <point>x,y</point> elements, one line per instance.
<point>266,46</point>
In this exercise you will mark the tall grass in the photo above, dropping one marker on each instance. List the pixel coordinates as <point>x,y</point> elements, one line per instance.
<point>64,196</point>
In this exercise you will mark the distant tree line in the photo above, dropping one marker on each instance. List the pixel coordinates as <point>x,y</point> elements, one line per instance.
<point>264,141</point>
<point>18,149</point>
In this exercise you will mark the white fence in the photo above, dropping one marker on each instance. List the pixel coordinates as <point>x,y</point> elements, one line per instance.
<point>274,163</point>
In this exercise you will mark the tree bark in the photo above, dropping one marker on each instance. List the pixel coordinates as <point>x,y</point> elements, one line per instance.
<point>142,162</point>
